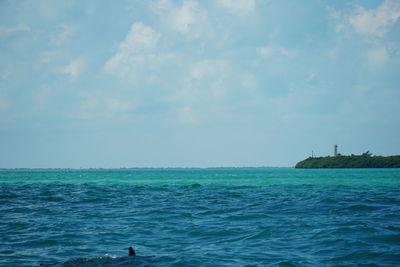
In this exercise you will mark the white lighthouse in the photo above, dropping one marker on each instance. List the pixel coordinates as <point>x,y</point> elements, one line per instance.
<point>335,151</point>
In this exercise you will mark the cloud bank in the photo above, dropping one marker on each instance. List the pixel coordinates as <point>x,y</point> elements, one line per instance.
<point>197,83</point>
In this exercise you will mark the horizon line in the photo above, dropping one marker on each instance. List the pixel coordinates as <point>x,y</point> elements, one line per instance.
<point>138,168</point>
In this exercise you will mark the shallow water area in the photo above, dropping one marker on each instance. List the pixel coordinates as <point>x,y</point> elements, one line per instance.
<point>200,217</point>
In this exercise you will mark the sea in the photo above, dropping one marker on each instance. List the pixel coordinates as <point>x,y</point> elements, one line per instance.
<point>200,217</point>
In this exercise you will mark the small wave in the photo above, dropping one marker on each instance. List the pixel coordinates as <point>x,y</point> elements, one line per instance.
<point>8,196</point>
<point>267,233</point>
<point>192,186</point>
<point>354,257</point>
<point>360,207</point>
<point>106,260</point>
<point>114,261</point>
<point>287,264</point>
<point>386,239</point>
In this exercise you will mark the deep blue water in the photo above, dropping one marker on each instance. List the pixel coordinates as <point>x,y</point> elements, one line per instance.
<point>200,217</point>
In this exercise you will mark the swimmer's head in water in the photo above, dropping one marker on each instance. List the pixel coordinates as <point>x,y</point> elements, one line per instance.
<point>131,252</point>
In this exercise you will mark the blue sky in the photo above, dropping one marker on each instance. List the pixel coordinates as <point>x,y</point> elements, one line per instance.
<point>167,83</point>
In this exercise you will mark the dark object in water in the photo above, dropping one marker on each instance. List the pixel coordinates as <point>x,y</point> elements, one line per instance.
<point>131,252</point>
<point>96,261</point>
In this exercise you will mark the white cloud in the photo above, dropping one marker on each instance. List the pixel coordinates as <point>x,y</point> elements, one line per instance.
<point>115,105</point>
<point>65,32</point>
<point>42,97</point>
<point>375,22</point>
<point>4,103</point>
<point>47,57</point>
<point>249,83</point>
<point>268,51</point>
<point>4,75</point>
<point>187,115</point>
<point>136,53</point>
<point>74,68</point>
<point>104,107</point>
<point>185,17</point>
<point>240,7</point>
<point>7,31</point>
<point>141,38</point>
<point>202,88</point>
<point>378,56</point>
<point>311,75</point>
<point>265,51</point>
<point>205,82</point>
<point>188,19</point>
<point>212,90</point>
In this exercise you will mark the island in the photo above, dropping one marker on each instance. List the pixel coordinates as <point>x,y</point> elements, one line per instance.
<point>365,160</point>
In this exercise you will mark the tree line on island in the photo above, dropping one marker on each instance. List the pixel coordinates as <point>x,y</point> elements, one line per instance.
<point>365,160</point>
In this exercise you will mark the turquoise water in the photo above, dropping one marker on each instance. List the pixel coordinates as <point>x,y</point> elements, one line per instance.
<point>200,217</point>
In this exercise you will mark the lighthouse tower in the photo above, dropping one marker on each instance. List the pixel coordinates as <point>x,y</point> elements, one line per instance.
<point>335,151</point>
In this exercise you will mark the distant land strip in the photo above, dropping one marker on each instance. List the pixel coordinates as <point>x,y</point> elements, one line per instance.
<point>365,160</point>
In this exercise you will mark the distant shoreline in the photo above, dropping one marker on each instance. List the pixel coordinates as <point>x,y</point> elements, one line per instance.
<point>150,168</point>
<point>365,160</point>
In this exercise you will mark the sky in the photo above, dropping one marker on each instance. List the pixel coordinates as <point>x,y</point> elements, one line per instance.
<point>165,83</point>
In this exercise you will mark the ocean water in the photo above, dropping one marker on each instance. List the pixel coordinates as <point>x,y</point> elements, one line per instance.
<point>200,217</point>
